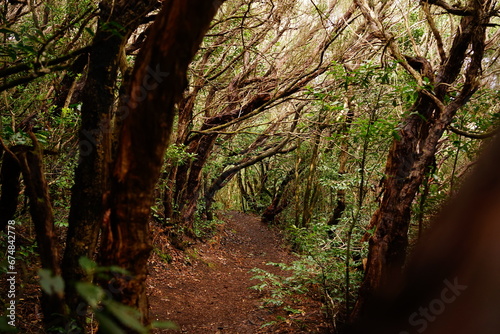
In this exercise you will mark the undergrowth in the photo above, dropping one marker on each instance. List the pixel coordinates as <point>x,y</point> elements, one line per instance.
<point>320,272</point>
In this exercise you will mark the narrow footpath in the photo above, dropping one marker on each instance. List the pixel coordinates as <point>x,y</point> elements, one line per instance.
<point>205,290</point>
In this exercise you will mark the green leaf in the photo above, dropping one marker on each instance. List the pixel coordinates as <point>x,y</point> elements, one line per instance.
<point>49,283</point>
<point>5,327</point>
<point>118,270</point>
<point>292,310</point>
<point>164,325</point>
<point>107,325</point>
<point>90,292</point>
<point>270,323</point>
<point>126,315</point>
<point>90,31</point>
<point>87,264</point>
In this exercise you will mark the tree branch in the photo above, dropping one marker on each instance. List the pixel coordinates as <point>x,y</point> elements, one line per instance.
<point>455,9</point>
<point>30,77</point>
<point>435,31</point>
<point>472,135</point>
<point>37,65</point>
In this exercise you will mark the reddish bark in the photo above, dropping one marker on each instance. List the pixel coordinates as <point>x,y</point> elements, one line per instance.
<point>450,283</point>
<point>92,173</point>
<point>31,162</point>
<point>158,81</point>
<point>10,178</point>
<point>413,152</point>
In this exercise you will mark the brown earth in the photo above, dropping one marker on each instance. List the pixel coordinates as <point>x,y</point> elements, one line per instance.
<point>207,288</point>
<point>204,289</point>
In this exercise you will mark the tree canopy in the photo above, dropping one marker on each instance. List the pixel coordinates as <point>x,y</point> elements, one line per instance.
<point>346,124</point>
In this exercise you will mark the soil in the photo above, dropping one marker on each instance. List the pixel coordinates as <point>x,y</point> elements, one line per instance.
<point>206,289</point>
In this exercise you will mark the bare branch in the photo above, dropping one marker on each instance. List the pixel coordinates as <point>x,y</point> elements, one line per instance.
<point>472,135</point>
<point>455,9</point>
<point>435,31</point>
<point>36,65</point>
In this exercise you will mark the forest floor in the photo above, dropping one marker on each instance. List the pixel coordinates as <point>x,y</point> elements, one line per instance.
<point>206,289</point>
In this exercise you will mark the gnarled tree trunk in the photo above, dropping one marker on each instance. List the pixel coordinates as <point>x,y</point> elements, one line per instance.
<point>91,175</point>
<point>158,81</point>
<point>450,282</point>
<point>412,153</point>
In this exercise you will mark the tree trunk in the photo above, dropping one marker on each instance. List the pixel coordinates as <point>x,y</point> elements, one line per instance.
<point>277,205</point>
<point>413,152</point>
<point>31,163</point>
<point>343,157</point>
<point>450,281</point>
<point>188,183</point>
<point>67,87</point>
<point>91,175</point>
<point>158,79</point>
<point>9,175</point>
<point>308,199</point>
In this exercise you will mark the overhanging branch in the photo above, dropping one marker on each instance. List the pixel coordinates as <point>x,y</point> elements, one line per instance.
<point>455,9</point>
<point>472,135</point>
<point>38,65</point>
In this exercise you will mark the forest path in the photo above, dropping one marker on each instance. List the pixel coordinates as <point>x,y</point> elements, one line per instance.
<point>207,290</point>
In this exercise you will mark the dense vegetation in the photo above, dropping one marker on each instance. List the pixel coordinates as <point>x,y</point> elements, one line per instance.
<point>337,121</point>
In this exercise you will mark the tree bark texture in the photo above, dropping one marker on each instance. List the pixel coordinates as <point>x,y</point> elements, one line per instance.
<point>31,162</point>
<point>11,187</point>
<point>449,284</point>
<point>412,153</point>
<point>92,174</point>
<point>157,83</point>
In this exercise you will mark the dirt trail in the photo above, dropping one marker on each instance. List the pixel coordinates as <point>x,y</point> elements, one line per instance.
<point>208,291</point>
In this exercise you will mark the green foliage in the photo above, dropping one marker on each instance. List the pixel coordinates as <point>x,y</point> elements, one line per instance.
<point>114,28</point>
<point>110,314</point>
<point>281,288</point>
<point>177,154</point>
<point>320,269</point>
<point>167,258</point>
<point>204,228</point>
<point>92,269</point>
<point>5,327</point>
<point>50,283</point>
